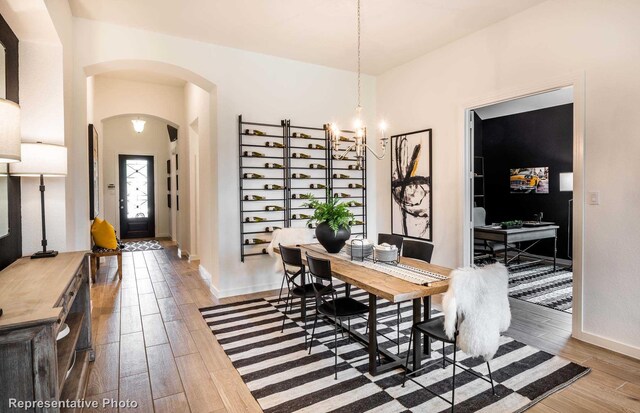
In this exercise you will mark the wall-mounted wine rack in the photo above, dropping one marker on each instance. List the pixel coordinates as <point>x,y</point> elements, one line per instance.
<point>280,164</point>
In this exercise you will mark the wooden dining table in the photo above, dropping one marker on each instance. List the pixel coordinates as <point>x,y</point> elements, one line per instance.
<point>380,285</point>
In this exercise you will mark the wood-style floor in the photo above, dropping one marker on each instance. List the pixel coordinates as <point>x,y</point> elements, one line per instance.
<point>152,346</point>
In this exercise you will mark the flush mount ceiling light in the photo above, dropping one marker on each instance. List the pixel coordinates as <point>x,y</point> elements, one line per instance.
<point>138,125</point>
<point>359,127</point>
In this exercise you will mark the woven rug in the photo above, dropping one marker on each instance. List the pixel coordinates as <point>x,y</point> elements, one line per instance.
<point>147,245</point>
<point>537,283</point>
<point>283,378</point>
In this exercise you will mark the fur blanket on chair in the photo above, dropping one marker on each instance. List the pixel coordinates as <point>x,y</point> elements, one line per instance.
<point>478,300</point>
<point>289,236</point>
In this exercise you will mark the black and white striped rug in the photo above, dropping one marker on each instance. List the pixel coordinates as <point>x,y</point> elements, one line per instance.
<point>146,245</point>
<point>283,378</point>
<point>537,283</point>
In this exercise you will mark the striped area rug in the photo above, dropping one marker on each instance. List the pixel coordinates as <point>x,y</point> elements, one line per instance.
<point>537,283</point>
<point>283,378</point>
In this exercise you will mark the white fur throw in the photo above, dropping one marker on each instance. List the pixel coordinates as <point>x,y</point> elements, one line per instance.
<point>289,237</point>
<point>479,298</point>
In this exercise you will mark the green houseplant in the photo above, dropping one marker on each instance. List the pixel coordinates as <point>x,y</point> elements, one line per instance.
<point>333,219</point>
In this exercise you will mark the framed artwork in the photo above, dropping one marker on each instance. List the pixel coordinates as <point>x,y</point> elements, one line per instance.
<point>411,185</point>
<point>94,173</point>
<point>529,180</point>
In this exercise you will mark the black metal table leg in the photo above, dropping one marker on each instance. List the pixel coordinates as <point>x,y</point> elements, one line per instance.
<point>555,250</point>
<point>373,333</point>
<point>417,351</point>
<point>426,340</point>
<point>506,248</point>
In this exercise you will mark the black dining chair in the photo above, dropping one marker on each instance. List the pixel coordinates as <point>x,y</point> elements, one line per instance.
<point>329,304</point>
<point>417,249</point>
<point>296,288</point>
<point>391,240</point>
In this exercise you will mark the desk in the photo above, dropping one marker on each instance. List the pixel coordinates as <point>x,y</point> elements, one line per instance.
<point>395,290</point>
<point>507,236</point>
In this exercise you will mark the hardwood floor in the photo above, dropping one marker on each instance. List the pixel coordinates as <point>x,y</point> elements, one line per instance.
<point>152,346</point>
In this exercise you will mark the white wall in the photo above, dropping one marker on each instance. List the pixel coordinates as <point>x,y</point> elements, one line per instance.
<point>551,40</point>
<point>262,88</point>
<point>115,97</point>
<point>119,138</point>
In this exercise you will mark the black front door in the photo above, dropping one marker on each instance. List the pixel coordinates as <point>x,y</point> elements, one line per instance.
<point>137,208</point>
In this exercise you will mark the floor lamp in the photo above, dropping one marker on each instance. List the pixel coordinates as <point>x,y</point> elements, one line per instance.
<point>41,160</point>
<point>9,134</point>
<point>566,185</point>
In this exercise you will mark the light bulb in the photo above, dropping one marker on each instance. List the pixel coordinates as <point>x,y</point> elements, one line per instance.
<point>383,126</point>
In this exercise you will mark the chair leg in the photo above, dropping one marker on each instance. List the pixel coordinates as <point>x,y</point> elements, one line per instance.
<point>399,316</point>
<point>406,364</point>
<point>444,359</point>
<point>335,350</point>
<point>348,330</point>
<point>98,262</point>
<point>399,320</point>
<point>284,315</point>
<point>493,389</point>
<point>281,288</point>
<point>94,270</point>
<point>453,382</point>
<point>313,332</point>
<point>120,266</point>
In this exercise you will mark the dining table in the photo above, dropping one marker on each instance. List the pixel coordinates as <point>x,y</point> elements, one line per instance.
<point>379,284</point>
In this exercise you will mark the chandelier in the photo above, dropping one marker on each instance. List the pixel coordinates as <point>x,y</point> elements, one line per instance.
<point>360,145</point>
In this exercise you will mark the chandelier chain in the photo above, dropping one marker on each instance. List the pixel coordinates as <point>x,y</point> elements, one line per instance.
<point>358,54</point>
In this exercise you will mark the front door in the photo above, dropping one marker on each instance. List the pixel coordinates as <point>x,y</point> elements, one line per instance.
<point>137,208</point>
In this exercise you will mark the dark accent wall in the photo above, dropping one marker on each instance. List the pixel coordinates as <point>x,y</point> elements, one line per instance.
<point>532,139</point>
<point>11,245</point>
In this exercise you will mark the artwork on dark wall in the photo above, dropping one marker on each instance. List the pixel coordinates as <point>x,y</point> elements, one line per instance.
<point>411,185</point>
<point>94,173</point>
<point>529,180</point>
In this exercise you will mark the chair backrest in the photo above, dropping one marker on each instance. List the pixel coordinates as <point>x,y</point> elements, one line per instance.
<point>391,240</point>
<point>417,249</point>
<point>476,306</point>
<point>321,270</point>
<point>479,217</point>
<point>292,257</point>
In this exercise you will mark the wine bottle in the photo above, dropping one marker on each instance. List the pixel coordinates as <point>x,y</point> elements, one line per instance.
<point>341,195</point>
<point>301,196</point>
<point>273,208</point>
<point>254,198</point>
<point>317,186</point>
<point>273,165</point>
<point>355,204</point>
<point>315,146</point>
<point>274,144</point>
<point>352,167</point>
<point>356,186</point>
<point>340,176</point>
<point>311,226</point>
<point>301,155</point>
<point>252,176</point>
<point>272,186</point>
<point>255,241</point>
<point>301,216</point>
<point>316,166</point>
<point>271,229</point>
<point>357,222</point>
<point>254,132</point>
<point>254,219</point>
<point>251,154</point>
<point>300,135</point>
<point>301,176</point>
<point>344,139</point>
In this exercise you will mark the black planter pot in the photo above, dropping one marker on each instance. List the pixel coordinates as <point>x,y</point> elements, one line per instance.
<point>330,240</point>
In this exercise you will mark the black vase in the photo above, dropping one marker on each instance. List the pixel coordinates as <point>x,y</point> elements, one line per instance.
<point>329,239</point>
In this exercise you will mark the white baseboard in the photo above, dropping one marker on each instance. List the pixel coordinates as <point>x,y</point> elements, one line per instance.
<point>179,252</point>
<point>244,290</point>
<point>194,258</point>
<point>608,344</point>
<point>163,235</point>
<point>203,271</point>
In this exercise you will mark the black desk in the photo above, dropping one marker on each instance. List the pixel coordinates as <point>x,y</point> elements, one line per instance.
<point>506,236</point>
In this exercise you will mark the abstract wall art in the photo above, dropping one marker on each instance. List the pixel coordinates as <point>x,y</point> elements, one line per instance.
<point>411,185</point>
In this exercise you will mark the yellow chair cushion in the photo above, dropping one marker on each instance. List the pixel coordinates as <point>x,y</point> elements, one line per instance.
<point>104,235</point>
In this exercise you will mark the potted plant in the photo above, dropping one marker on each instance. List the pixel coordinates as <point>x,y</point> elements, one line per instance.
<point>334,222</point>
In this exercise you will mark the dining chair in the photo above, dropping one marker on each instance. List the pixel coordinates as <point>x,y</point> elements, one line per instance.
<point>417,249</point>
<point>476,311</point>
<point>296,288</point>
<point>391,240</point>
<point>329,304</point>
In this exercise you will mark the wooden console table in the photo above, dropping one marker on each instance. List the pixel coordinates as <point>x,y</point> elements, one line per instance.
<point>38,297</point>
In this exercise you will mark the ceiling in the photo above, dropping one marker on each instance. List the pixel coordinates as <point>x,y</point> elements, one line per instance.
<point>544,100</point>
<point>144,76</point>
<point>316,31</point>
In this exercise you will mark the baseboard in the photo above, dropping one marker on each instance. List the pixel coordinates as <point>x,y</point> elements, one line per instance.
<point>244,290</point>
<point>180,252</point>
<point>608,344</point>
<point>203,271</point>
<point>194,258</point>
<point>163,235</point>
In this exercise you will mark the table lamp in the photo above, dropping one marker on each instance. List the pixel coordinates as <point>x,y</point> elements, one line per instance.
<point>41,159</point>
<point>9,134</point>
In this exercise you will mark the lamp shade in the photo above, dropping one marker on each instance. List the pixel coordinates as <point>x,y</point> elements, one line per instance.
<point>9,131</point>
<point>138,125</point>
<point>566,181</point>
<point>41,159</point>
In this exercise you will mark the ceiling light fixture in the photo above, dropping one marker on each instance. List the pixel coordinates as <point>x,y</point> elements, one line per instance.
<point>138,125</point>
<point>359,127</point>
